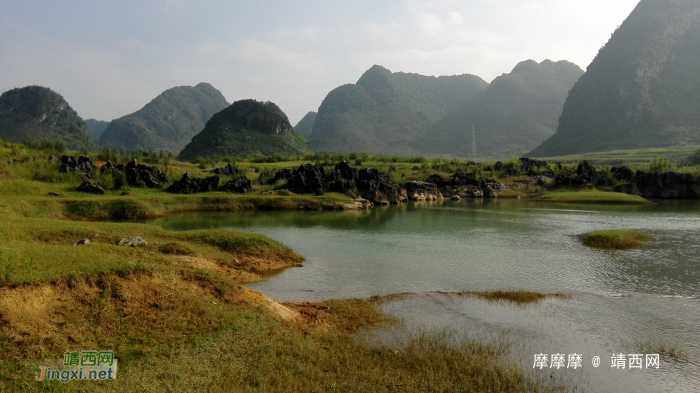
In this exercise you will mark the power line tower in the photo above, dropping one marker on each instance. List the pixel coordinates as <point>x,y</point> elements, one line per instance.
<point>473,144</point>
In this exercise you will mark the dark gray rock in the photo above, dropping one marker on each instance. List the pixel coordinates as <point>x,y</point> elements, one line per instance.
<point>82,242</point>
<point>228,170</point>
<point>191,185</point>
<point>86,166</point>
<point>241,184</point>
<point>90,188</point>
<point>56,194</point>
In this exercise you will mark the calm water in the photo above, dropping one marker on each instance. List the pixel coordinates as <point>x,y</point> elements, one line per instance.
<point>620,298</point>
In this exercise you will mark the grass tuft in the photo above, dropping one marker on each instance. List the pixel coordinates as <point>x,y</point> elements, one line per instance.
<point>518,297</point>
<point>615,239</point>
<point>673,352</point>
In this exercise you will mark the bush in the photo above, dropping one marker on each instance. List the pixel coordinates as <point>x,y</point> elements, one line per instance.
<point>660,165</point>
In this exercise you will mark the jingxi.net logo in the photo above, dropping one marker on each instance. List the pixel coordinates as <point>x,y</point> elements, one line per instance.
<point>85,365</point>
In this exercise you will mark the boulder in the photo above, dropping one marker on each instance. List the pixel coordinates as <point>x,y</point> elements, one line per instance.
<point>191,185</point>
<point>90,188</point>
<point>132,242</point>
<point>56,194</point>
<point>82,242</point>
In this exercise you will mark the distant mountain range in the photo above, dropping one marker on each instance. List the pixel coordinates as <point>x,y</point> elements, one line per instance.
<point>306,124</point>
<point>642,89</point>
<point>96,128</point>
<point>513,115</point>
<point>168,122</point>
<point>36,113</point>
<point>387,112</point>
<point>247,128</point>
<point>410,114</point>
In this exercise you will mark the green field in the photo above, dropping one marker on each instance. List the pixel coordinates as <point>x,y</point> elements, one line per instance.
<point>631,158</point>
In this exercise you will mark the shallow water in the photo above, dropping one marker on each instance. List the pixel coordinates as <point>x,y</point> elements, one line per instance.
<point>424,248</point>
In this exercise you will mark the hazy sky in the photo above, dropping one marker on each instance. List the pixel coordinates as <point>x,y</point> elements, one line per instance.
<point>110,58</point>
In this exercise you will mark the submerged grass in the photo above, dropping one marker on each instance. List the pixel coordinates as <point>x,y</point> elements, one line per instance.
<point>615,239</point>
<point>520,297</point>
<point>670,351</point>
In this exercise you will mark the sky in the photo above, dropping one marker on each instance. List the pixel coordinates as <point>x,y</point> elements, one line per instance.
<point>110,58</point>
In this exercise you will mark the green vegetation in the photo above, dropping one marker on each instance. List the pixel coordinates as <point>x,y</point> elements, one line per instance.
<point>248,129</point>
<point>615,239</point>
<point>591,197</point>
<point>595,118</point>
<point>634,158</point>
<point>518,297</point>
<point>174,310</point>
<point>412,114</point>
<point>657,347</point>
<point>166,123</point>
<point>36,113</point>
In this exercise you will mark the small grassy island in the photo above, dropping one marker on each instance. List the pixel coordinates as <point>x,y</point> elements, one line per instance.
<point>615,239</point>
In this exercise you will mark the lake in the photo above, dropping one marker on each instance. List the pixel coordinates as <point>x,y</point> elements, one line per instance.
<point>619,298</point>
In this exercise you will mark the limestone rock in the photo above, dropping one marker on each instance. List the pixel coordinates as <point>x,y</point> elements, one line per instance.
<point>191,185</point>
<point>82,242</point>
<point>86,166</point>
<point>241,184</point>
<point>90,188</point>
<point>132,242</point>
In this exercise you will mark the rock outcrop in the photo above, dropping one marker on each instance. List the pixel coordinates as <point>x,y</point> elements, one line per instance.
<point>86,166</point>
<point>139,175</point>
<point>228,170</point>
<point>659,185</point>
<point>421,191</point>
<point>241,184</point>
<point>90,188</point>
<point>375,184</point>
<point>192,185</point>
<point>466,186</point>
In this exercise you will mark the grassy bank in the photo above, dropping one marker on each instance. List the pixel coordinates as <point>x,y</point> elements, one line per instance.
<point>596,197</point>
<point>615,239</point>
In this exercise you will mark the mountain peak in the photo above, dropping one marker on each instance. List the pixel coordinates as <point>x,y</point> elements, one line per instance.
<point>641,89</point>
<point>168,122</point>
<point>37,112</point>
